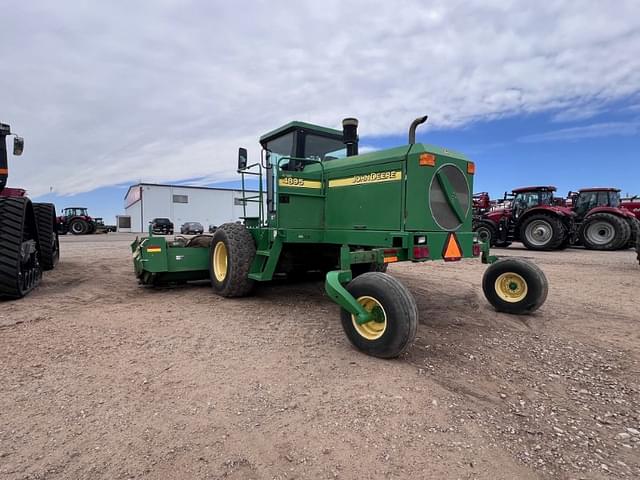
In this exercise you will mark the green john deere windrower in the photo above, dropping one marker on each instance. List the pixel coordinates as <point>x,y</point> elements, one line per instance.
<point>330,209</point>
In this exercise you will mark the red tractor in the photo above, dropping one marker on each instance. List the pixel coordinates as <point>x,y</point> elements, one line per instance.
<point>77,221</point>
<point>602,221</point>
<point>532,216</point>
<point>632,204</point>
<point>28,239</point>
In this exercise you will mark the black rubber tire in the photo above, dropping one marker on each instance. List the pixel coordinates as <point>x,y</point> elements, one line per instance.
<point>486,232</point>
<point>17,224</point>
<point>620,226</point>
<point>358,269</point>
<point>536,282</point>
<point>78,227</point>
<point>241,250</point>
<point>399,306</point>
<point>47,234</point>
<point>558,232</point>
<point>634,225</point>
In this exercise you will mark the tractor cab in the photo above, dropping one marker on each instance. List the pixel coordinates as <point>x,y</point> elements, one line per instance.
<point>528,197</point>
<point>298,141</point>
<point>586,199</point>
<point>296,145</point>
<point>75,212</point>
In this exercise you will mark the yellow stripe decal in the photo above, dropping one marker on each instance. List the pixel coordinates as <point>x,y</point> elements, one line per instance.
<point>376,177</point>
<point>154,249</point>
<point>294,182</point>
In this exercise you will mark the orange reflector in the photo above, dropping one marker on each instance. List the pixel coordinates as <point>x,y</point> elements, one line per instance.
<point>427,160</point>
<point>154,249</point>
<point>390,259</point>
<point>471,168</point>
<point>4,171</point>
<point>452,250</point>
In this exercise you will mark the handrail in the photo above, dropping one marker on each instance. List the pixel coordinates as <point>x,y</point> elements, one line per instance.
<point>245,198</point>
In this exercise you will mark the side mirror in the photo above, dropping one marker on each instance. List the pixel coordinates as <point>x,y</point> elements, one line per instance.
<point>242,158</point>
<point>18,145</point>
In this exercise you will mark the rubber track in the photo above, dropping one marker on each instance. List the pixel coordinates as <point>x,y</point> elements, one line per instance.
<point>12,217</point>
<point>46,224</point>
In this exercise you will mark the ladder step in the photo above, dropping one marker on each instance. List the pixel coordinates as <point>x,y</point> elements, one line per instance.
<point>263,253</point>
<point>256,276</point>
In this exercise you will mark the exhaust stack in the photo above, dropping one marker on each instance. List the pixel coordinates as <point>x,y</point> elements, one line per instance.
<point>414,125</point>
<point>350,135</point>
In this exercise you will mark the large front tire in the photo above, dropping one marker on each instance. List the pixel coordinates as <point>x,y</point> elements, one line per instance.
<point>231,254</point>
<point>78,227</point>
<point>486,233</point>
<point>514,285</point>
<point>396,315</point>
<point>605,231</point>
<point>542,232</point>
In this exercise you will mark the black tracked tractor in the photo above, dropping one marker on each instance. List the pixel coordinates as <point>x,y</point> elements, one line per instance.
<point>28,238</point>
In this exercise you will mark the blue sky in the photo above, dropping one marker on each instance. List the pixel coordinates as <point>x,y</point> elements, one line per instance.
<point>544,92</point>
<point>509,152</point>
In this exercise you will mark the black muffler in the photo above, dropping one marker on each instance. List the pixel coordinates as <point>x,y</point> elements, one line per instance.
<point>350,135</point>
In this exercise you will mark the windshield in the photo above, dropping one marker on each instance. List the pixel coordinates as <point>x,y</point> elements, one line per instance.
<point>77,211</point>
<point>614,198</point>
<point>546,198</point>
<point>324,148</point>
<point>162,220</point>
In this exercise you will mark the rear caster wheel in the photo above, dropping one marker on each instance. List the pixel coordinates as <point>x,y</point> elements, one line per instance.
<point>513,285</point>
<point>395,315</point>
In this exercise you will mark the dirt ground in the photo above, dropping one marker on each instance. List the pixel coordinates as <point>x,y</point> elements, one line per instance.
<point>101,378</point>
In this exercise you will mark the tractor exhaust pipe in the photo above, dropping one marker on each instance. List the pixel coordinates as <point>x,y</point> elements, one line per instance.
<point>350,135</point>
<point>414,125</point>
<point>4,167</point>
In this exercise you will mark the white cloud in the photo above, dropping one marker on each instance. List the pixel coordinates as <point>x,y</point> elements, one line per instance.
<point>595,130</point>
<point>110,92</point>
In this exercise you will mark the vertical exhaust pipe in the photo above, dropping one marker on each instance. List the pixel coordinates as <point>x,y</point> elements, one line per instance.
<point>350,135</point>
<point>4,167</point>
<point>414,125</point>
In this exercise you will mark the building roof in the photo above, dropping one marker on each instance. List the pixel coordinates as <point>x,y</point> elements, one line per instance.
<point>194,187</point>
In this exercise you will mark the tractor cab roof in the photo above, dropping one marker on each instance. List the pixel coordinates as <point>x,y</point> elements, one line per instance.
<point>300,126</point>
<point>599,189</point>
<point>539,188</point>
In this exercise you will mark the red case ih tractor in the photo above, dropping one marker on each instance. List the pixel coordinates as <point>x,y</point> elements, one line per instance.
<point>632,204</point>
<point>28,239</point>
<point>602,221</point>
<point>77,221</point>
<point>532,216</point>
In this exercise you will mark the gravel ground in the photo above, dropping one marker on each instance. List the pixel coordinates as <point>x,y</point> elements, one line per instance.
<point>102,378</point>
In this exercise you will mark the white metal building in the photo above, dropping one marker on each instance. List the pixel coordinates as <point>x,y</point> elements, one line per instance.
<point>209,206</point>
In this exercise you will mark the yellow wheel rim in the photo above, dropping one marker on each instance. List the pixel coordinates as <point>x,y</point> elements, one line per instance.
<point>220,261</point>
<point>511,287</point>
<point>375,328</point>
